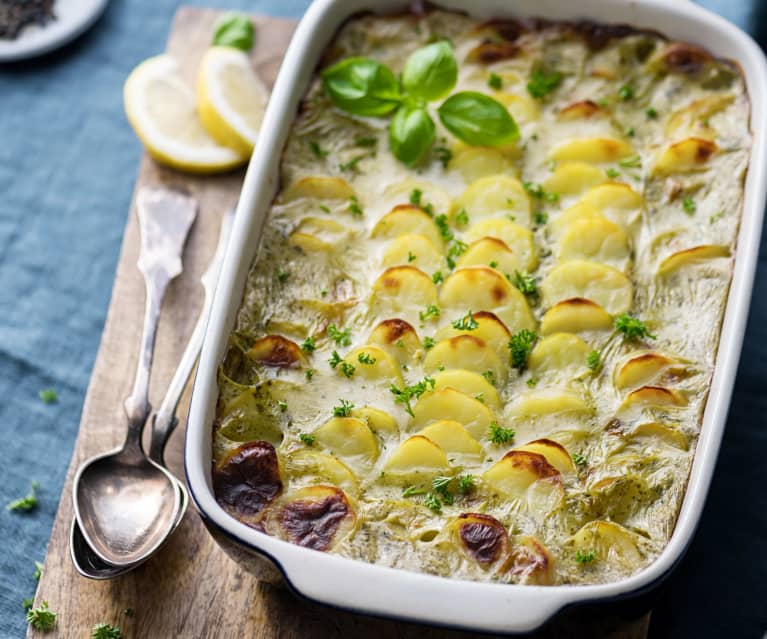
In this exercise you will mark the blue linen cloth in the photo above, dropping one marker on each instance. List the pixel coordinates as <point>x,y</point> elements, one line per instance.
<point>67,161</point>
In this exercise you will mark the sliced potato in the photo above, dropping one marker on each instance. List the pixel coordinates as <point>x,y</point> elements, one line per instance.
<point>546,402</point>
<point>602,284</point>
<point>406,219</point>
<point>573,178</point>
<point>598,150</point>
<point>448,403</point>
<point>522,107</point>
<point>593,239</point>
<point>318,188</point>
<point>396,337</point>
<point>417,250</point>
<point>464,352</point>
<point>311,467</point>
<point>492,252</point>
<point>555,454</point>
<point>432,196</point>
<point>660,432</point>
<point>618,202</point>
<point>416,459</point>
<point>514,473</point>
<point>314,234</point>
<point>531,562</point>
<point>277,351</point>
<point>482,288</point>
<point>474,162</point>
<point>609,542</point>
<point>642,368</point>
<point>582,110</point>
<point>402,288</point>
<point>470,383</point>
<point>380,422</point>
<point>452,438</point>
<point>575,315</point>
<point>495,196</point>
<point>348,437</point>
<point>516,237</point>
<point>692,256</point>
<point>655,396</point>
<point>577,213</point>
<point>373,363</point>
<point>482,537</point>
<point>489,329</point>
<point>688,155</point>
<point>693,118</point>
<point>560,352</point>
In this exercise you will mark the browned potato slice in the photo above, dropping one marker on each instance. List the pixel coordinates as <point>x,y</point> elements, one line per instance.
<point>278,351</point>
<point>592,150</point>
<point>482,537</point>
<point>316,517</point>
<point>531,562</point>
<point>398,338</point>
<point>319,188</point>
<point>643,368</point>
<point>692,256</point>
<point>491,52</point>
<point>247,479</point>
<point>490,329</point>
<point>403,289</point>
<point>655,396</point>
<point>555,454</point>
<point>582,109</point>
<point>464,352</point>
<point>688,155</point>
<point>513,474</point>
<point>575,315</point>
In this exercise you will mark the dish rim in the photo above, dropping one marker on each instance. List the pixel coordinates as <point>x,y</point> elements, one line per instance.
<point>389,592</point>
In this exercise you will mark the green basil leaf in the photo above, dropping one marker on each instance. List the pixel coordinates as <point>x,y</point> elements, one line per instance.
<point>477,119</point>
<point>411,133</point>
<point>362,86</point>
<point>234,30</point>
<point>430,72</point>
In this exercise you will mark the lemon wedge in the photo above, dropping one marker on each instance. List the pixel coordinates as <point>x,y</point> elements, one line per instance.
<point>161,109</point>
<point>231,98</point>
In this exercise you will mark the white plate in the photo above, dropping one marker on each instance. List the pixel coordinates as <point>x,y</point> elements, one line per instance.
<point>72,17</point>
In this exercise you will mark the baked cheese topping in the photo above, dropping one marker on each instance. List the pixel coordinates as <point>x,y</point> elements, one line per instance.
<point>490,362</point>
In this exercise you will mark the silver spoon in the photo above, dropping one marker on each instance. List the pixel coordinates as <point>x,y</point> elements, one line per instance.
<point>87,562</point>
<point>125,504</point>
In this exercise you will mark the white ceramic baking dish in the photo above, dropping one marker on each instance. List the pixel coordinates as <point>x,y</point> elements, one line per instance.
<point>362,587</point>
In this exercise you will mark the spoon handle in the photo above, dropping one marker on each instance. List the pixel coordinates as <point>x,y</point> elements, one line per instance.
<point>165,420</point>
<point>165,218</point>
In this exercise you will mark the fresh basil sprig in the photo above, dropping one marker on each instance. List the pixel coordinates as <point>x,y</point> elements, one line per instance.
<point>363,86</point>
<point>430,72</point>
<point>477,119</point>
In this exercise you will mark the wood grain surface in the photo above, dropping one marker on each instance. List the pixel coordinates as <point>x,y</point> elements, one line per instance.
<point>192,589</point>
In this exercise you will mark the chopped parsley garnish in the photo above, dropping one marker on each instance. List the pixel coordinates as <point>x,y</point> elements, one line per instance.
<point>466,483</point>
<point>594,360</point>
<point>308,345</point>
<point>612,173</point>
<point>342,338</point>
<point>282,276</point>
<point>413,490</point>
<point>48,396</point>
<point>366,141</point>
<point>525,283</point>
<point>437,277</point>
<point>716,216</point>
<point>309,373</point>
<point>634,162</point>
<point>26,503</point>
<point>444,155</point>
<point>318,151</point>
<point>428,342</point>
<point>347,369</point>
<point>335,359</point>
<point>354,207</point>
<point>466,323</point>
<point>411,257</point>
<point>456,249</point>
<point>489,376</point>
<point>283,405</point>
<point>416,199</point>
<point>495,82</point>
<point>462,217</point>
<point>41,618</point>
<point>325,209</point>
<point>579,459</point>
<point>632,327</point>
<point>630,132</point>
<point>688,204</point>
<point>520,345</point>
<point>432,311</point>
<point>626,92</point>
<point>366,358</point>
<point>38,571</point>
<point>441,486</point>
<point>444,229</point>
<point>432,502</point>
<point>534,190</point>
<point>307,439</point>
<point>406,394</point>
<point>351,165</point>
<point>27,603</point>
<point>651,113</point>
<point>493,264</point>
<point>541,217</point>
<point>585,556</point>
<point>532,382</point>
<point>343,410</point>
<point>500,435</point>
<point>542,83</point>
<point>106,631</point>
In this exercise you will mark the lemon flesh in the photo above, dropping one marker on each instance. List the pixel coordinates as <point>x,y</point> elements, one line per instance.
<point>230,97</point>
<point>161,109</point>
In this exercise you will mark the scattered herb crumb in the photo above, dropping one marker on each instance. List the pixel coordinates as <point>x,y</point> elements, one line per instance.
<point>432,312</point>
<point>542,83</point>
<point>283,405</point>
<point>432,502</point>
<point>520,345</point>
<point>48,396</point>
<point>26,503</point>
<point>307,439</point>
<point>626,92</point>
<point>106,631</point>
<point>525,283</point>
<point>585,556</point>
<point>466,483</point>
<point>366,358</point>
<point>466,323</point>
<point>340,337</point>
<point>688,204</point>
<point>38,571</point>
<point>318,151</point>
<point>579,459</point>
<point>500,435</point>
<point>308,345</point>
<point>344,409</point>
<point>594,360</point>
<point>428,342</point>
<point>41,618</point>
<point>632,327</point>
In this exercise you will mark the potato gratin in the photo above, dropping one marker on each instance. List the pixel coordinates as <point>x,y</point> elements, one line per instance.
<point>480,346</point>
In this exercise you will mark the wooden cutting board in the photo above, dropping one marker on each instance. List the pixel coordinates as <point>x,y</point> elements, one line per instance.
<point>192,589</point>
